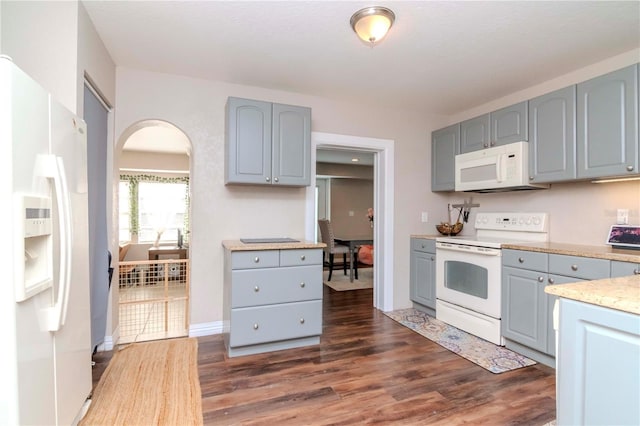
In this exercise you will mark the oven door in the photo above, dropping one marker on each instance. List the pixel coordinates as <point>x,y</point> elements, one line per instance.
<point>469,277</point>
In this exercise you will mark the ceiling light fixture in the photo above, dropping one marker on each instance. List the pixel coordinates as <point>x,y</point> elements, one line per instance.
<point>355,160</point>
<point>371,24</point>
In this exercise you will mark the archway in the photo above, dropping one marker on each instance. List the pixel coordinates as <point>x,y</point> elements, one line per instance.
<point>153,163</point>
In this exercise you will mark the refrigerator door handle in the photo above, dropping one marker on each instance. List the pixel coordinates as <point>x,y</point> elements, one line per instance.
<point>54,170</point>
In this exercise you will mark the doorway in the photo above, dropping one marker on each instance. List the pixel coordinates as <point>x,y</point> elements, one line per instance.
<point>154,232</point>
<point>382,205</point>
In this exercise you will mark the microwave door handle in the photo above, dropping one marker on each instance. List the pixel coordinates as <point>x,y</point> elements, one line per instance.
<point>500,167</point>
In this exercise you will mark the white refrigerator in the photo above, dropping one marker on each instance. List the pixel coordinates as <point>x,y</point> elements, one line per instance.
<point>45,327</point>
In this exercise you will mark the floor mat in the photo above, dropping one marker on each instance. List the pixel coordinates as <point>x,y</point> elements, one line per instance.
<point>496,359</point>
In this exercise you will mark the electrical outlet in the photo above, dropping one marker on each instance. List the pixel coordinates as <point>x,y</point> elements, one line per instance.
<point>351,213</point>
<point>622,218</point>
<point>425,217</point>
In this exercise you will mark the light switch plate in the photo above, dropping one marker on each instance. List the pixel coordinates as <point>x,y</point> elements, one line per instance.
<point>425,217</point>
<point>351,213</point>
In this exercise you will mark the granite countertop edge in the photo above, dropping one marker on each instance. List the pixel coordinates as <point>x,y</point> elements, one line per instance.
<point>622,293</point>
<point>597,252</point>
<point>426,236</point>
<point>237,245</point>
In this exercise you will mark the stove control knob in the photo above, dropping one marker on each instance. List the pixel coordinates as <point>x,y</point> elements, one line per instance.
<point>521,221</point>
<point>529,221</point>
<point>536,220</point>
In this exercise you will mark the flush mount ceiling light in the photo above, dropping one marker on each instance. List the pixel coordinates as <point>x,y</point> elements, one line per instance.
<point>372,23</point>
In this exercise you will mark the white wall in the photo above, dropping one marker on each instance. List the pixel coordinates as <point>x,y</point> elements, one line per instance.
<point>222,212</point>
<point>579,213</point>
<point>42,38</point>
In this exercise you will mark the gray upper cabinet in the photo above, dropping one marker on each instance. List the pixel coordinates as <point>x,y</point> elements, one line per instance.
<point>500,127</point>
<point>552,136</point>
<point>445,145</point>
<point>608,124</point>
<point>267,143</point>
<point>474,134</point>
<point>510,124</point>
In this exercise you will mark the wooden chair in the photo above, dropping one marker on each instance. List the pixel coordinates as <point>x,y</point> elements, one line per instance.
<point>326,233</point>
<point>126,272</point>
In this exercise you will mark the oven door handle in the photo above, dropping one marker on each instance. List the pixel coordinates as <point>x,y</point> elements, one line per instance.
<point>482,251</point>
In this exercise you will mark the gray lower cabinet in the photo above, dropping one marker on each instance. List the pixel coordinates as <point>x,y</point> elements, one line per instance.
<point>552,136</point>
<point>445,144</point>
<point>423,273</point>
<point>527,311</point>
<point>607,131</point>
<point>598,366</point>
<point>267,143</point>
<point>272,300</point>
<point>624,269</point>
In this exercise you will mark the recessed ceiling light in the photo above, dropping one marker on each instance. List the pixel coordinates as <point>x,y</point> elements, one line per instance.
<point>355,160</point>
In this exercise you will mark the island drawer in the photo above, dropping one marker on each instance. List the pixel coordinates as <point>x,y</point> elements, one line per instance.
<point>624,269</point>
<point>300,257</point>
<point>254,287</point>
<point>272,323</point>
<point>255,259</point>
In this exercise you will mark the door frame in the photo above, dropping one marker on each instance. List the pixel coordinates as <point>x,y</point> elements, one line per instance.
<point>383,203</point>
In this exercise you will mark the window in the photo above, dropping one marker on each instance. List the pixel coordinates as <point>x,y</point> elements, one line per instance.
<point>153,207</point>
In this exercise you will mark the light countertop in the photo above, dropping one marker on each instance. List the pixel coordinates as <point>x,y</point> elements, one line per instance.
<point>237,245</point>
<point>427,237</point>
<point>622,294</point>
<point>598,252</point>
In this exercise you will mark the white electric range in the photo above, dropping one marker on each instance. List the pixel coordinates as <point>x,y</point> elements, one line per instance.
<point>469,270</point>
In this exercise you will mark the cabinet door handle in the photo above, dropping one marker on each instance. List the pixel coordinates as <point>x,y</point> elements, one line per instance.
<point>268,179</point>
<point>629,168</point>
<point>540,279</point>
<point>303,257</point>
<point>636,271</point>
<point>521,260</point>
<point>301,320</point>
<point>530,177</point>
<point>486,145</point>
<point>302,285</point>
<point>256,259</point>
<point>493,144</point>
<point>276,180</point>
<point>574,267</point>
<point>256,326</point>
<point>551,281</point>
<point>256,289</point>
<point>433,258</point>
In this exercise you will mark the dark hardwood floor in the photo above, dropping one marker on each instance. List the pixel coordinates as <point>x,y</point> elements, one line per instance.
<point>367,369</point>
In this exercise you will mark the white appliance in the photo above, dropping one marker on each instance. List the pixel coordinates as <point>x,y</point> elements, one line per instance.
<point>501,168</point>
<point>469,271</point>
<point>44,297</point>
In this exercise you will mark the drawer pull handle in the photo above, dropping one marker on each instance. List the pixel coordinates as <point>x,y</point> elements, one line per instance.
<point>256,326</point>
<point>551,281</point>
<point>540,279</point>
<point>433,258</point>
<point>276,180</point>
<point>268,179</point>
<point>301,320</point>
<point>629,168</point>
<point>521,260</point>
<point>422,246</point>
<point>636,271</point>
<point>574,267</point>
<point>256,259</point>
<point>256,289</point>
<point>302,284</point>
<point>303,257</point>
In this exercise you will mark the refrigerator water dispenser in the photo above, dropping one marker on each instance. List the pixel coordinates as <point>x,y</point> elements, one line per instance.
<point>33,237</point>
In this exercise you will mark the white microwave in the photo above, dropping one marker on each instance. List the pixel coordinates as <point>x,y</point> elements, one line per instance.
<point>501,168</point>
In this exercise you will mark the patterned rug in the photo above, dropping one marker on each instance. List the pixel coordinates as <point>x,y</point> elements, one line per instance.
<point>487,355</point>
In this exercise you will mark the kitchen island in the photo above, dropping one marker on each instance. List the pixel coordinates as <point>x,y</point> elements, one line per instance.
<point>598,361</point>
<point>272,296</point>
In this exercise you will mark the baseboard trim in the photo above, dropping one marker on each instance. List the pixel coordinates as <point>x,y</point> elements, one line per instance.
<point>205,329</point>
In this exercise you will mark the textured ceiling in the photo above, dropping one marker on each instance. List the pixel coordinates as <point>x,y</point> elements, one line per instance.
<point>440,57</point>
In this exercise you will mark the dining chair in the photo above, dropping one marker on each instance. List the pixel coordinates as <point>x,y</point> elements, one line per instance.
<point>332,248</point>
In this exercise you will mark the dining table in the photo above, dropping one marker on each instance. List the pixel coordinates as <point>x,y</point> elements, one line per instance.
<point>352,242</point>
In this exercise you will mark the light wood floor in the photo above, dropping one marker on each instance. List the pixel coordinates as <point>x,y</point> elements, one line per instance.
<point>367,369</point>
